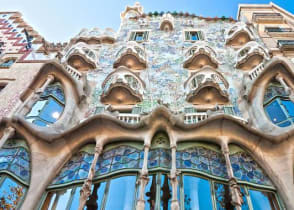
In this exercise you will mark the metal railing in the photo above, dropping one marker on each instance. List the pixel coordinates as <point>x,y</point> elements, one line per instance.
<point>256,71</point>
<point>192,118</point>
<point>73,72</point>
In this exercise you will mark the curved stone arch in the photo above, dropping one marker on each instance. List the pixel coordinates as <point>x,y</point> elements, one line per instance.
<point>251,55</point>
<point>132,56</point>
<point>200,55</point>
<point>124,78</point>
<point>81,57</point>
<point>73,92</point>
<point>207,78</point>
<point>95,36</point>
<point>239,34</point>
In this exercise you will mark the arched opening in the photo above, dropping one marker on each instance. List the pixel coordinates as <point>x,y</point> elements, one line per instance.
<point>14,173</point>
<point>48,109</point>
<point>114,184</point>
<point>277,104</point>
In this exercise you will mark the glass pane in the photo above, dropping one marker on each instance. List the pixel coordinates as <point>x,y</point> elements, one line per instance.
<point>263,200</point>
<point>11,194</point>
<point>37,107</point>
<point>194,36</point>
<point>51,111</point>
<point>96,197</point>
<point>165,193</point>
<point>60,200</point>
<point>121,193</point>
<point>197,193</point>
<point>289,106</point>
<point>223,197</point>
<point>150,195</point>
<point>75,201</point>
<point>275,112</point>
<point>245,202</point>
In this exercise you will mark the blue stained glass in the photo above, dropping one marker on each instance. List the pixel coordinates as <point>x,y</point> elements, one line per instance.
<point>159,158</point>
<point>202,159</point>
<point>289,106</point>
<point>275,112</point>
<point>15,162</point>
<point>246,169</point>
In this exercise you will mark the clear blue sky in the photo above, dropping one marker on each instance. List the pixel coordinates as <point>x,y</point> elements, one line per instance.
<point>60,20</point>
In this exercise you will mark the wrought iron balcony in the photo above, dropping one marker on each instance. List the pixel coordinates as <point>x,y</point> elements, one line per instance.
<point>129,118</point>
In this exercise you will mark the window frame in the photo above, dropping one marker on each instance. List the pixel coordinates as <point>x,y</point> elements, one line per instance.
<point>200,34</point>
<point>132,36</point>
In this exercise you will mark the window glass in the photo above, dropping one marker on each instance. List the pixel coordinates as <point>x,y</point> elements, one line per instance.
<point>165,193</point>
<point>11,194</point>
<point>60,199</point>
<point>194,36</point>
<point>159,158</point>
<point>150,195</point>
<point>223,197</point>
<point>121,193</point>
<point>36,109</point>
<point>196,193</point>
<point>289,106</point>
<point>51,111</point>
<point>263,200</point>
<point>245,202</point>
<point>275,112</point>
<point>139,36</point>
<point>76,197</point>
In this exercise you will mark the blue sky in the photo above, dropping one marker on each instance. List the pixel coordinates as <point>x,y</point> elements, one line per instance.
<point>60,20</point>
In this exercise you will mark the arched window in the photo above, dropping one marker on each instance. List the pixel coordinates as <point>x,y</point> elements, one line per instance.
<point>277,105</point>
<point>48,109</point>
<point>14,173</point>
<point>109,190</point>
<point>256,187</point>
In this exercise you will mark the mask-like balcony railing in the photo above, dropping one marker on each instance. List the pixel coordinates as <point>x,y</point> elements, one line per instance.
<point>251,55</point>
<point>207,79</point>
<point>101,36</point>
<point>73,72</point>
<point>256,71</point>
<point>286,44</point>
<point>267,17</point>
<point>132,50</point>
<point>207,56</point>
<point>239,34</point>
<point>129,118</point>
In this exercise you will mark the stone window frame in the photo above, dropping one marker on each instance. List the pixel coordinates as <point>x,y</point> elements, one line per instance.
<point>200,34</point>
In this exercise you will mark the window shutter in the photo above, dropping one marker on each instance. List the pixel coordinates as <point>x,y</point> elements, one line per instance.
<point>200,35</point>
<point>145,36</point>
<point>132,36</point>
<point>187,35</point>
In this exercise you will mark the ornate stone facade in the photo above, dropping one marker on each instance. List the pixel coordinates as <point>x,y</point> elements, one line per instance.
<point>172,111</point>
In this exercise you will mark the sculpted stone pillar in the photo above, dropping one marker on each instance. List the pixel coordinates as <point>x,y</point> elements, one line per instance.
<point>86,189</point>
<point>173,179</point>
<point>235,191</point>
<point>28,103</point>
<point>7,133</point>
<point>143,180</point>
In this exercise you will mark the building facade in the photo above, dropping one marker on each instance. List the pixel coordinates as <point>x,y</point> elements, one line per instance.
<point>173,111</point>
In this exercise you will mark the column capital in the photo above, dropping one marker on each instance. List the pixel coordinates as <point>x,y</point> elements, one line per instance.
<point>9,131</point>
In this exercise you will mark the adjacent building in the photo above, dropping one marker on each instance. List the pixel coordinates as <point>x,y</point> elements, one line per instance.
<point>172,111</point>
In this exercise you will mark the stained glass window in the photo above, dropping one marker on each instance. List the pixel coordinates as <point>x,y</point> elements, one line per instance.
<point>202,159</point>
<point>159,158</point>
<point>277,105</point>
<point>15,159</point>
<point>49,108</point>
<point>246,169</point>
<point>121,157</point>
<point>77,168</point>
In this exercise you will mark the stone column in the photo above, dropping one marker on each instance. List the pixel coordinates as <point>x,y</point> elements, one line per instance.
<point>86,189</point>
<point>28,103</point>
<point>143,180</point>
<point>7,133</point>
<point>235,191</point>
<point>173,179</point>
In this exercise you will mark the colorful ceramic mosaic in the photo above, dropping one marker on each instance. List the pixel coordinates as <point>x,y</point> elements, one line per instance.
<point>76,168</point>
<point>246,169</point>
<point>14,158</point>
<point>159,158</point>
<point>202,159</point>
<point>122,157</point>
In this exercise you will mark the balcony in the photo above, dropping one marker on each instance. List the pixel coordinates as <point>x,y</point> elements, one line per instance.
<point>267,17</point>
<point>81,57</point>
<point>200,55</point>
<point>256,71</point>
<point>206,88</point>
<point>250,56</point>
<point>239,35</point>
<point>193,118</point>
<point>167,22</point>
<point>95,36</point>
<point>286,44</point>
<point>132,55</point>
<point>122,87</point>
<point>74,73</point>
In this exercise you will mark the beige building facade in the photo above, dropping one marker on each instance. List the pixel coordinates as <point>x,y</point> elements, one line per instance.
<point>172,111</point>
